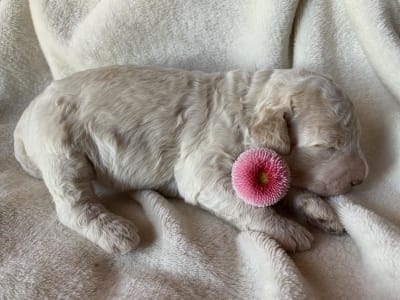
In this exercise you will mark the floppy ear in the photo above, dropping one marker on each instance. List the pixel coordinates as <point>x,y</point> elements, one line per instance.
<point>271,131</point>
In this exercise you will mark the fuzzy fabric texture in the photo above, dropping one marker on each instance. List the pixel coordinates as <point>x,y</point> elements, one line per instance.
<point>260,177</point>
<point>187,253</point>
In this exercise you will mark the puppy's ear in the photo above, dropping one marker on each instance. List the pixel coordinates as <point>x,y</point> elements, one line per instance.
<point>271,131</point>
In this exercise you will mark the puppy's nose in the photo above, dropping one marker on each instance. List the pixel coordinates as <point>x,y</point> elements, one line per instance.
<point>356,182</point>
<point>359,170</point>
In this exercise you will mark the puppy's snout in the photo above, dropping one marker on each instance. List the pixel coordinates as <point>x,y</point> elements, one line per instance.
<point>360,171</point>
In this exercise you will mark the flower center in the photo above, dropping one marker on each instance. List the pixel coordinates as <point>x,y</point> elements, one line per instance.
<point>262,178</point>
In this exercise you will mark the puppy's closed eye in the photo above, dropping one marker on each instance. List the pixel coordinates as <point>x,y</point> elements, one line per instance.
<point>326,147</point>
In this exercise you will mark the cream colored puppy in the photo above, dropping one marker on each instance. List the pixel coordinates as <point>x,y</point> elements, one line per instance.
<point>163,129</point>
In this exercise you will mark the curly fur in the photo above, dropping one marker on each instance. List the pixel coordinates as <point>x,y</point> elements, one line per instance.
<point>179,131</point>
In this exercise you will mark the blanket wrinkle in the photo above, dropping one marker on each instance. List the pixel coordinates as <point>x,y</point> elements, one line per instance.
<point>378,242</point>
<point>379,21</point>
<point>186,253</point>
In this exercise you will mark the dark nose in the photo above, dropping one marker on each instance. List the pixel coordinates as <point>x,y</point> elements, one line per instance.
<point>356,182</point>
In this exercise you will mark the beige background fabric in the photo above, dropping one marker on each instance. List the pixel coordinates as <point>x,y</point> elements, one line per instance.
<point>187,253</point>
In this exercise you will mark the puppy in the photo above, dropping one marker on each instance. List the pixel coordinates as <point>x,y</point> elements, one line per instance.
<point>179,131</point>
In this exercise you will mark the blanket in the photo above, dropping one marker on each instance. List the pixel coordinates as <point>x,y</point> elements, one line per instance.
<point>185,252</point>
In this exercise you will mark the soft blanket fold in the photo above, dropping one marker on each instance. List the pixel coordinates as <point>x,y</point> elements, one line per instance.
<point>187,253</point>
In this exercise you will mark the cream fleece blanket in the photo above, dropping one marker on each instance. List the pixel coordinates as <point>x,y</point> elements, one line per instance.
<point>187,253</point>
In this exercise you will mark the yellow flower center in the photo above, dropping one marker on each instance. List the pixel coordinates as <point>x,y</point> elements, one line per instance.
<point>263,178</point>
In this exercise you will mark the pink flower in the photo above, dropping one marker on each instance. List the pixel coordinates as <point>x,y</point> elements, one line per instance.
<point>260,177</point>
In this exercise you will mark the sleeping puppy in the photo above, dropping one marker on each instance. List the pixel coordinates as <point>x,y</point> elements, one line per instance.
<point>179,131</point>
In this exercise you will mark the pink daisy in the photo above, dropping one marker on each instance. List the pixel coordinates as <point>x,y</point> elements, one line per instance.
<point>260,177</point>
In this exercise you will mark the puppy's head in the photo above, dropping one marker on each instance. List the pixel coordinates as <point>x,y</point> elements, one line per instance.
<point>307,118</point>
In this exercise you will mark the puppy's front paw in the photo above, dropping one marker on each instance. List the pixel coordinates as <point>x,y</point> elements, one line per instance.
<point>290,235</point>
<point>327,220</point>
<point>317,212</point>
<point>117,235</point>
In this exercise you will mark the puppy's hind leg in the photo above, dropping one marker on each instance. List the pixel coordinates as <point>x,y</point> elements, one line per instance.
<point>68,178</point>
